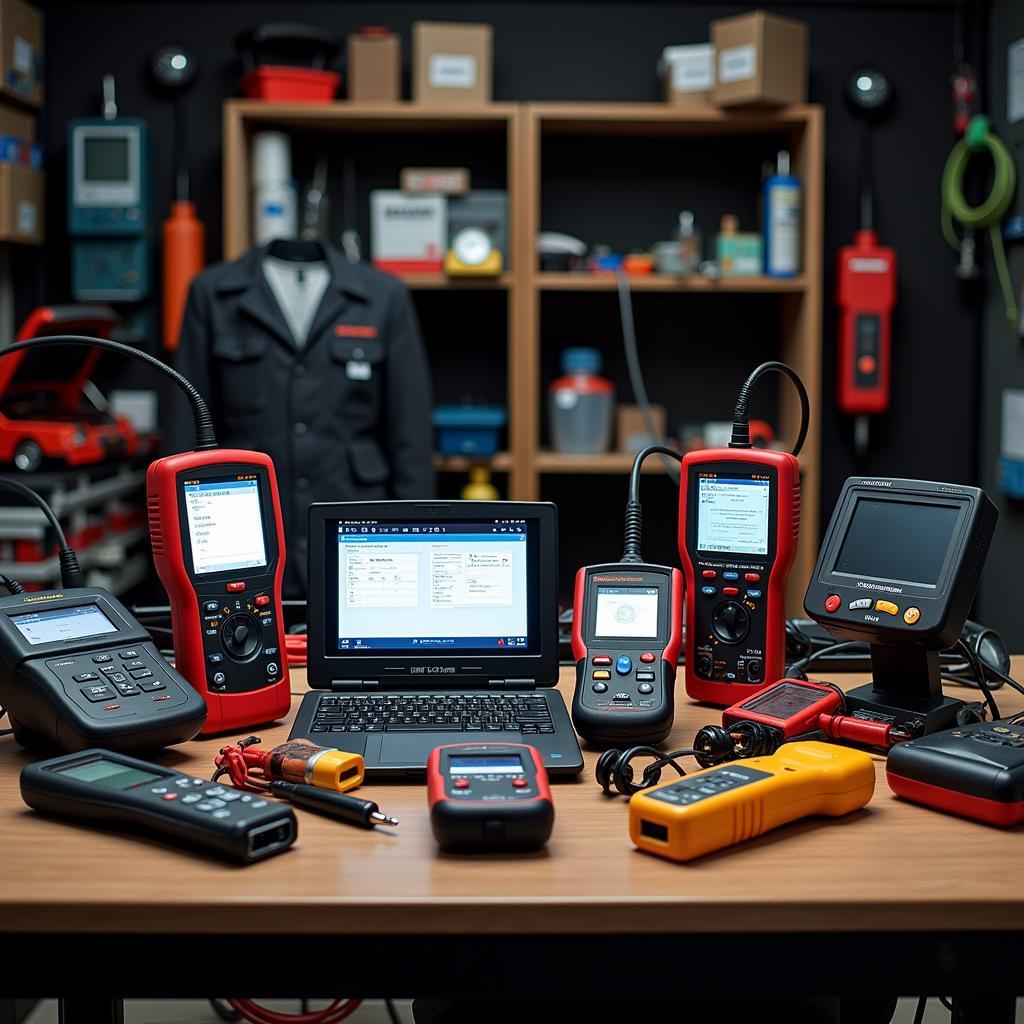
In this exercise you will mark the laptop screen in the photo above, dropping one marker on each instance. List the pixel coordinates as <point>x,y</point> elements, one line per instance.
<point>424,587</point>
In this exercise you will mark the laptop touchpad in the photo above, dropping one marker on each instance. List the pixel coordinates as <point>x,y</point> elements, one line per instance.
<point>396,748</point>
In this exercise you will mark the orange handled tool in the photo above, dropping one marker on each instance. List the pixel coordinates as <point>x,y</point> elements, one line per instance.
<point>184,241</point>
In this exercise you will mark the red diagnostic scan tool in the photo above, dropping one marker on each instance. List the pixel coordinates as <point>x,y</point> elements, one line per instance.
<point>626,637</point>
<point>489,796</point>
<point>218,545</point>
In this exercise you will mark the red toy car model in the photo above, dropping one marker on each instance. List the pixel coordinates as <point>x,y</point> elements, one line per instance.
<point>44,412</point>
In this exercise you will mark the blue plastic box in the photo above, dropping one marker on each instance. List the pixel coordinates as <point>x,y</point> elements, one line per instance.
<point>468,429</point>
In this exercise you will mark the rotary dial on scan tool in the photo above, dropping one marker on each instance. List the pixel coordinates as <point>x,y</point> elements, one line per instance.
<point>241,636</point>
<point>731,622</point>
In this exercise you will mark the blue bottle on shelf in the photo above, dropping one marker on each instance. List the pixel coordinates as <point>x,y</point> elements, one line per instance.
<point>783,221</point>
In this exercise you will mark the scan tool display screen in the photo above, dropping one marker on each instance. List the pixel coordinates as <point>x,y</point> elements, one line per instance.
<point>732,514</point>
<point>897,541</point>
<point>627,612</point>
<point>225,524</point>
<point>484,764</point>
<point>784,700</point>
<point>428,587</point>
<point>57,624</point>
<point>110,774</point>
<point>106,159</point>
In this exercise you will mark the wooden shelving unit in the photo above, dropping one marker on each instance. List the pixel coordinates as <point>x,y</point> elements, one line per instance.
<point>524,129</point>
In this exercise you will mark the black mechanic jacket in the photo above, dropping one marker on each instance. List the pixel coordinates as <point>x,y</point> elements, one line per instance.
<point>345,417</point>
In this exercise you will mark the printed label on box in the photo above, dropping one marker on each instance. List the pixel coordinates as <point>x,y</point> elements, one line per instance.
<point>737,63</point>
<point>452,71</point>
<point>693,68</point>
<point>28,217</point>
<point>23,55</point>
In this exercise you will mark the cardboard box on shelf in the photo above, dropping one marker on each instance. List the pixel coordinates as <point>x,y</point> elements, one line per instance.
<point>21,205</point>
<point>21,51</point>
<point>374,66</point>
<point>408,233</point>
<point>761,60</point>
<point>451,63</point>
<point>687,74</point>
<point>632,432</point>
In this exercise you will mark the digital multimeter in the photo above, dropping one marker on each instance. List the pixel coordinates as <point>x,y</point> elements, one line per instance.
<point>739,522</point>
<point>77,670</point>
<point>898,569</point>
<point>975,771</point>
<point>626,636</point>
<point>729,803</point>
<point>218,545</point>
<point>489,796</point>
<point>106,788</point>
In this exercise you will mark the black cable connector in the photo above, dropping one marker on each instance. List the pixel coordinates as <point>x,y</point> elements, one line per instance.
<point>631,551</point>
<point>741,415</point>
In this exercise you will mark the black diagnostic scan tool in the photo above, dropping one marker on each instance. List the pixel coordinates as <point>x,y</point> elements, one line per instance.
<point>105,788</point>
<point>898,570</point>
<point>626,635</point>
<point>77,670</point>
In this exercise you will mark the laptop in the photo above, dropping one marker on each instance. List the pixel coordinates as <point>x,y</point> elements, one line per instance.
<point>434,622</point>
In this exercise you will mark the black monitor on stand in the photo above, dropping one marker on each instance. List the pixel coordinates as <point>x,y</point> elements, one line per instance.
<point>898,569</point>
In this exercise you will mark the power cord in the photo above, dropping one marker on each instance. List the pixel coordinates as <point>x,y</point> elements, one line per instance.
<point>255,1013</point>
<point>71,574</point>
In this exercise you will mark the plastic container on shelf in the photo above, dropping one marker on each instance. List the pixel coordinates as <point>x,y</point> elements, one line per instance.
<point>468,429</point>
<point>582,405</point>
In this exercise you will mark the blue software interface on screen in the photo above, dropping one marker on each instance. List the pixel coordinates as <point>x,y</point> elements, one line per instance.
<point>425,587</point>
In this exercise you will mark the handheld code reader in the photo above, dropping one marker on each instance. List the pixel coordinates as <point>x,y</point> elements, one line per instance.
<point>974,771</point>
<point>77,669</point>
<point>218,546</point>
<point>898,569</point>
<point>106,788</point>
<point>739,523</point>
<point>489,796</point>
<point>724,805</point>
<point>627,633</point>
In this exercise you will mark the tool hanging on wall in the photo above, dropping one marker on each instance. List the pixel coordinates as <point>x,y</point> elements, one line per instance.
<point>866,277</point>
<point>174,68</point>
<point>986,215</point>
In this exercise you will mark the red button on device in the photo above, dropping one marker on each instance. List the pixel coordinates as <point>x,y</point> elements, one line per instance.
<point>261,600</point>
<point>752,577</point>
<point>730,590</point>
<point>832,602</point>
<point>461,783</point>
<point>866,365</point>
<point>520,783</point>
<point>235,588</point>
<point>602,659</point>
<point>170,796</point>
<point>709,574</point>
<point>647,657</point>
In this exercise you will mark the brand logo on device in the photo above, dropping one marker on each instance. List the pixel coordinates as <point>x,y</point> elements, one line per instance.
<point>879,586</point>
<point>876,483</point>
<point>951,490</point>
<point>45,597</point>
<point>433,670</point>
<point>618,579</point>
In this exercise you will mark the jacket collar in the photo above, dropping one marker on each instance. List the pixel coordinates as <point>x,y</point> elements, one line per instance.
<point>246,275</point>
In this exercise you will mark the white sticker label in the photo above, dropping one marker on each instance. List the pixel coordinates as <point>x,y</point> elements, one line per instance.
<point>1013,424</point>
<point>28,217</point>
<point>356,370</point>
<point>452,71</point>
<point>737,64</point>
<point>693,67</point>
<point>23,56</point>
<point>869,265</point>
<point>1015,81</point>
<point>566,399</point>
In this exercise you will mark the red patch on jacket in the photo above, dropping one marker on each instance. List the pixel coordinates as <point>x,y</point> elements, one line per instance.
<point>355,331</point>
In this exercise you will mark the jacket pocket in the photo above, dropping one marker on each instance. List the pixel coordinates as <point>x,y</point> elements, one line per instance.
<point>361,361</point>
<point>242,372</point>
<point>367,461</point>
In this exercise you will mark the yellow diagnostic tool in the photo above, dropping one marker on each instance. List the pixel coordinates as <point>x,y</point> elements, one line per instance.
<point>729,803</point>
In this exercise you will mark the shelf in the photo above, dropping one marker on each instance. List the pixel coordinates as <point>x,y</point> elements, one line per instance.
<point>499,463</point>
<point>382,117</point>
<point>606,462</point>
<point>441,282</point>
<point>587,282</point>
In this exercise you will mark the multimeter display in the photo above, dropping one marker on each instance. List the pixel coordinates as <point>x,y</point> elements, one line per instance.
<point>783,700</point>
<point>732,514</point>
<point>63,624</point>
<point>904,542</point>
<point>110,774</point>
<point>106,158</point>
<point>627,612</point>
<point>484,764</point>
<point>225,524</point>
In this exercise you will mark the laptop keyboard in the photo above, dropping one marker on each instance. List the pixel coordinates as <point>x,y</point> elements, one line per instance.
<point>448,712</point>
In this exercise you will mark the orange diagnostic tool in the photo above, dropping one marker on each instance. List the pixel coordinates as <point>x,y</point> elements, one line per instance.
<point>727,804</point>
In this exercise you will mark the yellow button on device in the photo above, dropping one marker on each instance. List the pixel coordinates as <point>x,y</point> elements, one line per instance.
<point>602,673</point>
<point>911,615</point>
<point>887,606</point>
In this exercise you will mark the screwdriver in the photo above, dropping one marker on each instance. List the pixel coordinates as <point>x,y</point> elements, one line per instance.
<point>351,809</point>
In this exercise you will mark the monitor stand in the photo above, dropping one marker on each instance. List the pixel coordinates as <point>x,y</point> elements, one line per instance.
<point>906,686</point>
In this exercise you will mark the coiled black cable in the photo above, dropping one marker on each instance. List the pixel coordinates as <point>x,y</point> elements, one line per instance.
<point>741,416</point>
<point>71,574</point>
